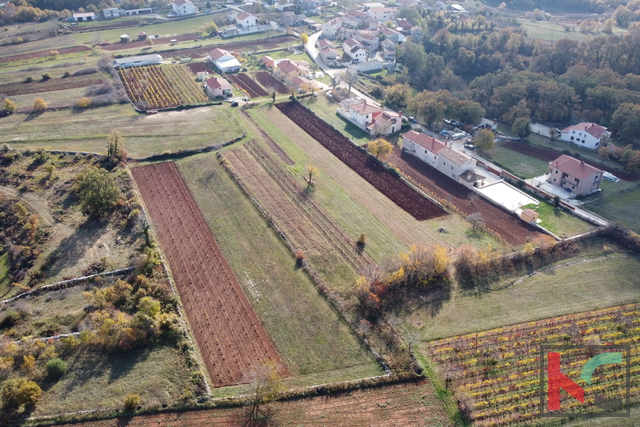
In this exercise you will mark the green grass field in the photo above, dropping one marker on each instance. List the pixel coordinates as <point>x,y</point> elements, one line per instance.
<point>559,222</point>
<point>517,163</point>
<point>617,202</point>
<point>593,279</point>
<point>313,342</point>
<point>4,274</point>
<point>87,130</point>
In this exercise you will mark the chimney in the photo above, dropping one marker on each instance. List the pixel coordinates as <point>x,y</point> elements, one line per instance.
<point>582,162</point>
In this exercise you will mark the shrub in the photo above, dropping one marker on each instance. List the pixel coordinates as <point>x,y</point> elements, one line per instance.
<point>19,392</point>
<point>98,191</point>
<point>66,74</point>
<point>83,102</point>
<point>299,257</point>
<point>46,76</point>
<point>9,106</point>
<point>56,368</point>
<point>131,402</point>
<point>39,105</point>
<point>362,241</point>
<point>29,79</point>
<point>85,71</point>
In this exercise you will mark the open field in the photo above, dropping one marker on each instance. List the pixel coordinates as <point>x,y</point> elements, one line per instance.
<point>45,53</point>
<point>399,192</point>
<point>497,372</point>
<point>86,130</point>
<point>523,166</point>
<point>509,227</point>
<point>55,99</point>
<point>617,202</point>
<point>558,221</point>
<point>355,204</point>
<point>592,279</point>
<point>314,344</point>
<point>399,404</point>
<point>54,84</point>
<point>229,335</point>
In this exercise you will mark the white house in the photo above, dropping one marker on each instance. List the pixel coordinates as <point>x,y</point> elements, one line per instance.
<point>354,18</point>
<point>137,61</point>
<point>383,14</point>
<point>246,20</point>
<point>224,60</point>
<point>423,146</point>
<point>453,163</point>
<point>184,7</point>
<point>328,52</point>
<point>354,49</point>
<point>82,17</point>
<point>218,87</point>
<point>369,41</point>
<point>111,12</point>
<point>373,118</point>
<point>331,28</point>
<point>393,35</point>
<point>588,135</point>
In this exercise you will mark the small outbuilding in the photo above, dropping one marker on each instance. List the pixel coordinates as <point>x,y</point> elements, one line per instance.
<point>529,216</point>
<point>142,35</point>
<point>124,38</point>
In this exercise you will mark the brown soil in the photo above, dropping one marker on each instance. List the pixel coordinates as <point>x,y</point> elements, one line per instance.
<point>549,155</point>
<point>198,67</point>
<point>44,53</point>
<point>71,82</point>
<point>513,230</point>
<point>227,330</point>
<point>246,83</point>
<point>368,168</point>
<point>268,81</point>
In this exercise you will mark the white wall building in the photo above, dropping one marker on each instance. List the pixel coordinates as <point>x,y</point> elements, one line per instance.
<point>184,7</point>
<point>137,61</point>
<point>331,28</point>
<point>423,146</point>
<point>224,60</point>
<point>588,135</point>
<point>383,14</point>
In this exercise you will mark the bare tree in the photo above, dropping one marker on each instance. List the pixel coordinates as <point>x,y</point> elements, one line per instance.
<point>351,77</point>
<point>312,172</point>
<point>477,221</point>
<point>265,384</point>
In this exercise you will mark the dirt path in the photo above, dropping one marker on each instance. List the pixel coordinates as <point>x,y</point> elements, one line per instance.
<point>39,205</point>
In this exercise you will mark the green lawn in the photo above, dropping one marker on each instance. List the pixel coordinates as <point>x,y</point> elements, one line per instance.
<point>619,202</point>
<point>326,109</point>
<point>517,163</point>
<point>600,281</point>
<point>87,130</point>
<point>313,342</point>
<point>4,275</point>
<point>559,222</point>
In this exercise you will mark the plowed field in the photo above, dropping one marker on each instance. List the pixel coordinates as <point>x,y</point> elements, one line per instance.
<point>373,172</point>
<point>267,80</point>
<point>197,67</point>
<point>549,155</point>
<point>510,228</point>
<point>410,404</point>
<point>227,330</point>
<point>246,83</point>
<point>44,53</point>
<point>71,82</point>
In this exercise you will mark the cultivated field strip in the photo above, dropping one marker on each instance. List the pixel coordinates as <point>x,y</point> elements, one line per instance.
<point>247,84</point>
<point>373,172</point>
<point>332,231</point>
<point>268,81</point>
<point>227,330</point>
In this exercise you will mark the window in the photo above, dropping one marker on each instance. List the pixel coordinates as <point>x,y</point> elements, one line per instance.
<point>596,178</point>
<point>451,167</point>
<point>573,131</point>
<point>556,171</point>
<point>597,143</point>
<point>554,180</point>
<point>573,187</point>
<point>572,138</point>
<point>425,151</point>
<point>444,163</point>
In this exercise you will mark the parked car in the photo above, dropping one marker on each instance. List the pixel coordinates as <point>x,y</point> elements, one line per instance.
<point>412,119</point>
<point>234,104</point>
<point>470,147</point>
<point>446,133</point>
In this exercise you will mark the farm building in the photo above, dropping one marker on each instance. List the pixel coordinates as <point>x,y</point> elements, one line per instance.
<point>588,135</point>
<point>224,60</point>
<point>137,61</point>
<point>124,38</point>
<point>184,7</point>
<point>574,176</point>
<point>268,61</point>
<point>217,86</point>
<point>303,84</point>
<point>83,17</point>
<point>114,12</point>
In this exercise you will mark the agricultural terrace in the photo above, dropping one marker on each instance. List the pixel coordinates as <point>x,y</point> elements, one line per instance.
<point>154,88</point>
<point>314,344</point>
<point>230,336</point>
<point>496,374</point>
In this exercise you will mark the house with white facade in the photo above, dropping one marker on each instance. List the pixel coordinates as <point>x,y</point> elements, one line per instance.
<point>423,146</point>
<point>330,29</point>
<point>354,18</point>
<point>137,61</point>
<point>354,49</point>
<point>383,14</point>
<point>393,35</point>
<point>289,69</point>
<point>588,135</point>
<point>574,176</point>
<point>84,17</point>
<point>218,87</point>
<point>328,52</point>
<point>370,117</point>
<point>246,20</point>
<point>224,60</point>
<point>368,41</point>
<point>183,7</point>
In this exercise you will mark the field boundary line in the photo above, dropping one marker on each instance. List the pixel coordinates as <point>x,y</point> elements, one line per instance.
<point>64,284</point>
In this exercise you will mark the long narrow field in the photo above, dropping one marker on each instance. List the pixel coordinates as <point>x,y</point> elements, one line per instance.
<point>71,82</point>
<point>247,84</point>
<point>44,53</point>
<point>268,81</point>
<point>396,190</point>
<point>315,344</point>
<point>509,227</point>
<point>226,328</point>
<point>355,204</point>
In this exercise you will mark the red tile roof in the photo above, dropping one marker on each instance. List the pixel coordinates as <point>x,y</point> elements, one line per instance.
<point>218,53</point>
<point>425,141</point>
<point>365,108</point>
<point>351,42</point>
<point>243,16</point>
<point>574,167</point>
<point>217,82</point>
<point>591,128</point>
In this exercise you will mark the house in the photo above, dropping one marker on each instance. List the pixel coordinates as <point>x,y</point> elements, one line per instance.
<point>184,7</point>
<point>84,17</point>
<point>288,19</point>
<point>423,146</point>
<point>373,118</point>
<point>392,35</point>
<point>354,18</point>
<point>218,87</point>
<point>331,28</point>
<point>137,61</point>
<point>368,41</point>
<point>303,84</point>
<point>246,20</point>
<point>111,12</point>
<point>124,38</point>
<point>354,49</point>
<point>574,176</point>
<point>383,14</point>
<point>588,135</point>
<point>268,61</point>
<point>416,32</point>
<point>290,69</point>
<point>456,8</point>
<point>453,163</point>
<point>388,50</point>
<point>328,52</point>
<point>224,60</point>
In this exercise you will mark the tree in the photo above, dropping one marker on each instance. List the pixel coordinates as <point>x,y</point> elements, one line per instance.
<point>521,127</point>
<point>56,368</point>
<point>603,153</point>
<point>265,384</point>
<point>477,221</point>
<point>312,172</point>
<point>484,139</point>
<point>351,76</point>
<point>149,41</point>
<point>83,102</point>
<point>98,191</point>
<point>209,29</point>
<point>304,39</point>
<point>115,146</point>
<point>380,148</point>
<point>131,402</point>
<point>39,105</point>
<point>19,392</point>
<point>9,106</point>
<point>470,112</point>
